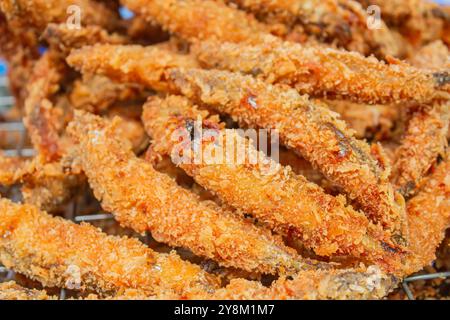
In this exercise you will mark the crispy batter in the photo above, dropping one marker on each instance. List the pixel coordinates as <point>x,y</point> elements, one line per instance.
<point>146,200</point>
<point>129,63</point>
<point>36,14</point>
<point>260,186</point>
<point>64,38</point>
<point>60,253</point>
<point>419,21</point>
<point>12,169</point>
<point>375,122</point>
<point>310,129</point>
<point>434,56</point>
<point>200,19</point>
<point>313,285</point>
<point>424,141</point>
<point>340,22</point>
<point>429,217</point>
<point>12,291</point>
<point>342,158</point>
<point>97,93</point>
<point>327,72</point>
<point>40,118</point>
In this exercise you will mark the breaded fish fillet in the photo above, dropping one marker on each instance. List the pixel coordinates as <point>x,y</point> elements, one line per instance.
<point>145,200</point>
<point>258,185</point>
<point>60,253</point>
<point>326,72</point>
<point>308,128</point>
<point>12,291</point>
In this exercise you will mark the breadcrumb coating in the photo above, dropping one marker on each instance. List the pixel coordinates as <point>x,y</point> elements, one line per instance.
<point>145,200</point>
<point>428,218</point>
<point>200,19</point>
<point>12,291</point>
<point>129,63</point>
<point>308,128</point>
<point>370,283</point>
<point>424,141</point>
<point>260,186</point>
<point>327,72</point>
<point>60,253</point>
<point>38,13</point>
<point>340,22</point>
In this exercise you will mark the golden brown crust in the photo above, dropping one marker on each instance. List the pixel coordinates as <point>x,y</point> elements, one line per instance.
<point>327,72</point>
<point>60,253</point>
<point>428,218</point>
<point>199,19</point>
<point>12,291</point>
<point>338,22</point>
<point>424,141</point>
<point>265,189</point>
<point>146,200</point>
<point>310,129</point>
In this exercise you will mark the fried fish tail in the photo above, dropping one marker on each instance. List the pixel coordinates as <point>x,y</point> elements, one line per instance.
<point>145,200</point>
<point>59,253</point>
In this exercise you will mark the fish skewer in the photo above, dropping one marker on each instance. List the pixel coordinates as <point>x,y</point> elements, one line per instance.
<point>326,72</point>
<point>260,186</point>
<point>145,200</point>
<point>60,253</point>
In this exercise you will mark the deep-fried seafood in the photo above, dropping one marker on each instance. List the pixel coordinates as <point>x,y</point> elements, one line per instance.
<point>12,291</point>
<point>130,63</point>
<point>342,158</point>
<point>12,169</point>
<point>65,39</point>
<point>327,72</point>
<point>260,186</point>
<point>40,117</point>
<point>428,218</point>
<point>424,141</point>
<point>60,253</point>
<point>313,285</point>
<point>146,200</point>
<point>341,22</point>
<point>36,14</point>
<point>200,19</point>
<point>306,127</point>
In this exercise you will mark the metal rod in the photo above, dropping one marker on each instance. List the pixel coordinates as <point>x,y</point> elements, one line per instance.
<point>408,292</point>
<point>12,126</point>
<point>6,101</point>
<point>27,153</point>
<point>94,217</point>
<point>430,276</point>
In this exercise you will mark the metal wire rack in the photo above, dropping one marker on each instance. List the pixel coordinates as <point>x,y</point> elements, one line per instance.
<point>75,214</point>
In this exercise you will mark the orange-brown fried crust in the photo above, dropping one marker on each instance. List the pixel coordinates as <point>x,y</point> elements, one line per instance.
<point>12,291</point>
<point>40,119</point>
<point>130,63</point>
<point>424,141</point>
<point>257,185</point>
<point>65,39</point>
<point>310,129</point>
<point>327,72</point>
<point>351,163</point>
<point>36,14</point>
<point>429,217</point>
<point>350,284</point>
<point>200,19</point>
<point>339,22</point>
<point>60,253</point>
<point>145,200</point>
